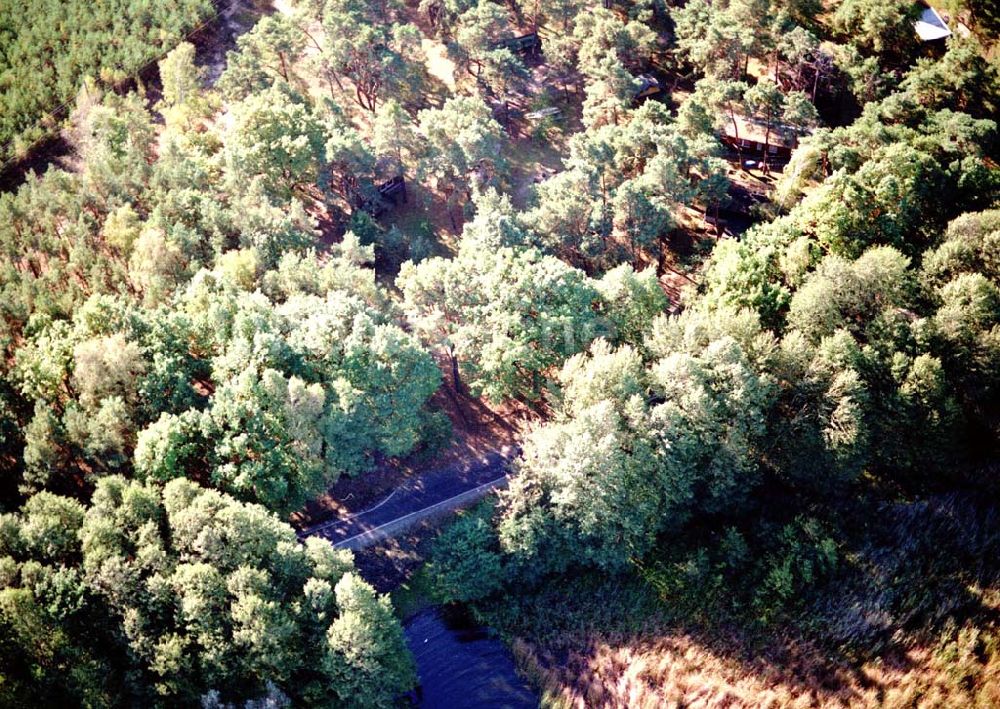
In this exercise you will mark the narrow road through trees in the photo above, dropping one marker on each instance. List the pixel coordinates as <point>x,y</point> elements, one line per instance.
<point>417,499</point>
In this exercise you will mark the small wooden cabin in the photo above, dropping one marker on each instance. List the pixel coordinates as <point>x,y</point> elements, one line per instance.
<point>393,189</point>
<point>528,44</point>
<point>750,136</point>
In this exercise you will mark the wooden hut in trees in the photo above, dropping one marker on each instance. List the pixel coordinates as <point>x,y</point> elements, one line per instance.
<point>525,45</point>
<point>752,137</point>
<point>392,191</point>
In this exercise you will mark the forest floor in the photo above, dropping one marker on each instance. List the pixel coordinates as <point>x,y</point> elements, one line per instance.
<point>235,18</point>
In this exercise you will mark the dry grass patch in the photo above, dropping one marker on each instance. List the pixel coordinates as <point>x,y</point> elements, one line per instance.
<point>682,670</point>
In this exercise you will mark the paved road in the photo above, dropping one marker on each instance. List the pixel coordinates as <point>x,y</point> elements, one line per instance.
<point>416,499</point>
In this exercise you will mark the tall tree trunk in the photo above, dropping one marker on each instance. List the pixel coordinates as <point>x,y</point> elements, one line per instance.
<point>340,84</point>
<point>451,212</point>
<point>604,210</point>
<point>767,145</point>
<point>399,150</point>
<point>736,135</point>
<point>329,81</point>
<point>456,378</point>
<point>456,390</point>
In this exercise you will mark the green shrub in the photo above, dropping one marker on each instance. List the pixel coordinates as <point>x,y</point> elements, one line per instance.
<point>466,558</point>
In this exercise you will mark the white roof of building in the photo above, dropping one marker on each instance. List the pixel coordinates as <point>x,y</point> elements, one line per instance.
<point>930,26</point>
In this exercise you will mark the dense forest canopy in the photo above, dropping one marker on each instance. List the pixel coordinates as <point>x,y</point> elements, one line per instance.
<point>735,261</point>
<point>47,47</point>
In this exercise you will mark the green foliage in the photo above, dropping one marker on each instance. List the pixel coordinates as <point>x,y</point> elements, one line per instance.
<point>740,275</point>
<point>970,245</point>
<point>628,178</point>
<point>366,656</point>
<point>183,100</point>
<point>820,434</point>
<point>602,33</point>
<point>877,27</point>
<point>507,317</point>
<point>467,559</point>
<point>719,39</point>
<point>579,495</point>
<point>372,55</point>
<point>193,595</point>
<point>461,144</point>
<point>479,29</point>
<point>620,467</point>
<point>566,611</point>
<point>495,224</point>
<point>632,301</point>
<point>763,578</point>
<point>264,441</point>
<point>610,92</point>
<point>306,390</point>
<point>961,80</point>
<point>118,366</point>
<point>394,137</point>
<point>649,453</point>
<point>843,294</point>
<point>168,315</point>
<point>263,58</point>
<point>50,46</point>
<point>275,138</point>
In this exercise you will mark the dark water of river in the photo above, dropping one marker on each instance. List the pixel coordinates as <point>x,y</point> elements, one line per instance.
<point>460,665</point>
